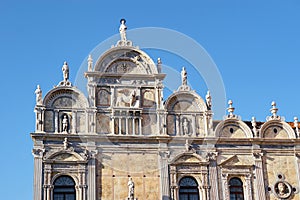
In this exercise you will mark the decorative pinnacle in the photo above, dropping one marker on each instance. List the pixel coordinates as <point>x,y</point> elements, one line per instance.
<point>296,122</point>
<point>208,99</point>
<point>230,109</point>
<point>90,63</point>
<point>159,61</point>
<point>296,125</point>
<point>159,65</point>
<point>274,109</point>
<point>183,76</point>
<point>253,121</point>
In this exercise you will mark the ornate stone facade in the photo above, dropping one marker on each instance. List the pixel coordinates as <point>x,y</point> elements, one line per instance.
<point>123,141</point>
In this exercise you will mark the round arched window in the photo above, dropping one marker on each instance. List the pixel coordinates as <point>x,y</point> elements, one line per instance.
<point>236,189</point>
<point>64,188</point>
<point>188,189</point>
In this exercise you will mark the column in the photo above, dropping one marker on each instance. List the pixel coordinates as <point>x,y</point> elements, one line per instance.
<point>133,125</point>
<point>93,125</point>
<point>225,188</point>
<point>74,122</point>
<point>112,124</point>
<point>56,121</point>
<point>164,175</point>
<point>83,187</point>
<point>140,126</point>
<point>259,174</point>
<point>248,187</point>
<point>112,96</point>
<point>120,125</point>
<point>92,177</point>
<point>126,123</point>
<point>213,177</point>
<point>193,127</point>
<point>205,186</point>
<point>177,125</point>
<point>38,172</point>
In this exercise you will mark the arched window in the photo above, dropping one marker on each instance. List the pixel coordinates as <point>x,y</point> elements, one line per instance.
<point>64,188</point>
<point>188,189</point>
<point>236,189</point>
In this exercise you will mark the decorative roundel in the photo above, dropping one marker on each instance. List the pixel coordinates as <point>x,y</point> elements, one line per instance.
<point>283,189</point>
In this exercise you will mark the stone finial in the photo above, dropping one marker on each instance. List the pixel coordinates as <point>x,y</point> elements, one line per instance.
<point>187,145</point>
<point>38,95</point>
<point>274,109</point>
<point>159,63</point>
<point>230,108</point>
<point>208,100</point>
<point>66,144</point>
<point>296,125</point>
<point>183,76</point>
<point>90,63</point>
<point>253,122</point>
<point>123,29</point>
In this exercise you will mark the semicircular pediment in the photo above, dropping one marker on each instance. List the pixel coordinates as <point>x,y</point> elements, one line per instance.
<point>65,98</point>
<point>125,60</point>
<point>185,101</point>
<point>65,156</point>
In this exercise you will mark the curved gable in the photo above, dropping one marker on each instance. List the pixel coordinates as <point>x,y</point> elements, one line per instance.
<point>125,60</point>
<point>277,129</point>
<point>233,128</point>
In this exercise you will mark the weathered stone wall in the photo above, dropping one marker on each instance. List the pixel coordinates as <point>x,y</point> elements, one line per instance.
<point>117,167</point>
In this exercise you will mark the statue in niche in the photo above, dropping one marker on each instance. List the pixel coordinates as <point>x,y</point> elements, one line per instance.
<point>123,29</point>
<point>282,190</point>
<point>103,97</point>
<point>38,97</point>
<point>185,126</point>
<point>183,76</point>
<point>65,69</point>
<point>130,189</point>
<point>65,124</point>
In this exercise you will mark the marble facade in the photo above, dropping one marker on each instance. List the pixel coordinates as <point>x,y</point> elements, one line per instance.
<point>123,129</point>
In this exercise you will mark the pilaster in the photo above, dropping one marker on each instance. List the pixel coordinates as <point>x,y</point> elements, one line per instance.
<point>164,175</point>
<point>38,174</point>
<point>259,174</point>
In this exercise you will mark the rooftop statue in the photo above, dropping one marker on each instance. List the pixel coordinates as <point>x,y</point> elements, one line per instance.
<point>123,29</point>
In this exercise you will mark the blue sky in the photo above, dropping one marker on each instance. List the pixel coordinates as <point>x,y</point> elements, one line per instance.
<point>255,45</point>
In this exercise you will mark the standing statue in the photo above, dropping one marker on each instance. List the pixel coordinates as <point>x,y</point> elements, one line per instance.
<point>130,189</point>
<point>65,69</point>
<point>123,29</point>
<point>185,125</point>
<point>38,97</point>
<point>65,124</point>
<point>183,76</point>
<point>208,100</point>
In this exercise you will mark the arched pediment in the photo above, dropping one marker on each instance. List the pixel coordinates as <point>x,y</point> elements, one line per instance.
<point>65,156</point>
<point>125,60</point>
<point>65,97</point>
<point>277,129</point>
<point>184,101</point>
<point>233,128</point>
<point>186,158</point>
